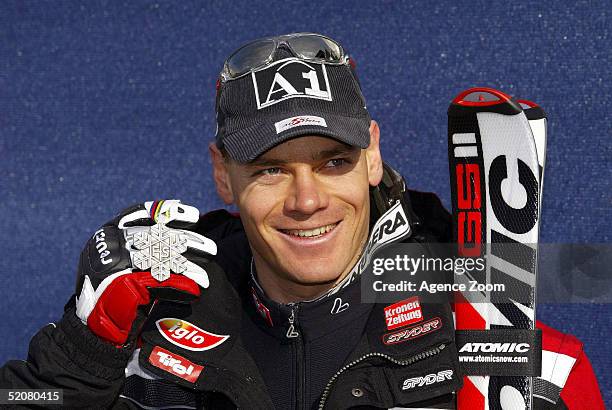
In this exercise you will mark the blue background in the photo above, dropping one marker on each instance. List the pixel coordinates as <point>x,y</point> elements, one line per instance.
<point>105,104</point>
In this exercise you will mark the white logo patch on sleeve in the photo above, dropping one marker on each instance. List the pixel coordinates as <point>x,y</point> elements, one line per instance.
<point>293,122</point>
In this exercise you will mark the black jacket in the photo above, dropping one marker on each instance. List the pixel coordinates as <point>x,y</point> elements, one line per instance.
<point>331,353</point>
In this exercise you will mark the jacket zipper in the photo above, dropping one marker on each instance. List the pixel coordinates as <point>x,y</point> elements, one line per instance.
<point>293,333</point>
<point>419,356</point>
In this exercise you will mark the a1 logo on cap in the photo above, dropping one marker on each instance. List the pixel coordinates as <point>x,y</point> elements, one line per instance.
<point>187,335</point>
<point>290,78</point>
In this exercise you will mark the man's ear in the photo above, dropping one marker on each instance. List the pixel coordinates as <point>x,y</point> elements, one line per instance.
<point>221,174</point>
<point>373,157</point>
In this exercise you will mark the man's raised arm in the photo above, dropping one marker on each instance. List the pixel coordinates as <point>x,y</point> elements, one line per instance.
<point>119,281</point>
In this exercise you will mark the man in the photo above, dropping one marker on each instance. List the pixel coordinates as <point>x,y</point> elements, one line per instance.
<point>274,319</point>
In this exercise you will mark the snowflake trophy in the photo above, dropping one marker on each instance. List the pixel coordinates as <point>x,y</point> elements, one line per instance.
<point>159,249</point>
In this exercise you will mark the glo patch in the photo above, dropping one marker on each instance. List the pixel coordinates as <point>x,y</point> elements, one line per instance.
<point>187,335</point>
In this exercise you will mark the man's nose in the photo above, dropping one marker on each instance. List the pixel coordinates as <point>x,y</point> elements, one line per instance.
<point>307,194</point>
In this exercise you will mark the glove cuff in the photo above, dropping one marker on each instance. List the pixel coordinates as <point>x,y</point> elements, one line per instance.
<point>87,351</point>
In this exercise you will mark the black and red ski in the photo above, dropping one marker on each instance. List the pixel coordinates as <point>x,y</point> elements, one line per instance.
<point>496,168</point>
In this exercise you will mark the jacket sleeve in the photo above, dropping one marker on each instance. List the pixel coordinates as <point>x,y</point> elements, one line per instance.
<point>68,356</point>
<point>567,380</point>
<point>581,390</point>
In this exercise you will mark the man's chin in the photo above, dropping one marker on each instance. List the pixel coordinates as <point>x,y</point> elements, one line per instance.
<point>315,275</point>
<point>314,282</point>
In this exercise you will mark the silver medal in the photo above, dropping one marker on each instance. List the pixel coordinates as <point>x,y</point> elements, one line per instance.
<point>159,249</point>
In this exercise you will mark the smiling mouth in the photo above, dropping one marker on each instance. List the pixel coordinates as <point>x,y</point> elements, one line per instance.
<point>310,233</point>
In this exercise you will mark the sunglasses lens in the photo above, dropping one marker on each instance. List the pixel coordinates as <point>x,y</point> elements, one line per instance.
<point>250,56</point>
<point>316,47</point>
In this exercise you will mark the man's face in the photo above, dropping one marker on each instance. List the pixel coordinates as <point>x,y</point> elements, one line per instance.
<point>305,208</point>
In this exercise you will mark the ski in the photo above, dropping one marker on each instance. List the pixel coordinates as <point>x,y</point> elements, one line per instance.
<point>495,173</point>
<point>537,122</point>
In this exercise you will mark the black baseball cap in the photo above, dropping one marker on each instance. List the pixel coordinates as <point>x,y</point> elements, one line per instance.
<point>290,96</point>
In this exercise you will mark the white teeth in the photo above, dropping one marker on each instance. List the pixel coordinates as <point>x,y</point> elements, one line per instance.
<point>308,233</point>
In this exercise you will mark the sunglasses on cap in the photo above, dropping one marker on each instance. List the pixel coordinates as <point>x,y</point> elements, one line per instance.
<point>259,53</point>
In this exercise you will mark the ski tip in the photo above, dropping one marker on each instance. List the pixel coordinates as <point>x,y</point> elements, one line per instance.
<point>532,110</point>
<point>526,104</point>
<point>479,99</point>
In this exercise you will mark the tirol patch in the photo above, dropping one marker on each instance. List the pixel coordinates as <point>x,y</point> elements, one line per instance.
<point>403,313</point>
<point>410,333</point>
<point>187,335</point>
<point>175,364</point>
<point>263,311</point>
<point>298,121</point>
<point>290,78</point>
<point>441,376</point>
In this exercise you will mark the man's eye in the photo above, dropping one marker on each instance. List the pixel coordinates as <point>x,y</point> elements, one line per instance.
<point>270,171</point>
<point>336,162</point>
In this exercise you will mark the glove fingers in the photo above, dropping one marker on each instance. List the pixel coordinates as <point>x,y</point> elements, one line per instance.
<point>164,211</point>
<point>176,287</point>
<point>151,212</point>
<point>173,213</point>
<point>137,217</point>
<point>171,294</point>
<point>170,211</point>
<point>199,244</point>
<point>197,274</point>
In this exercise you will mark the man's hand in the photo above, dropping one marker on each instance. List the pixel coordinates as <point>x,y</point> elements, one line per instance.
<point>136,259</point>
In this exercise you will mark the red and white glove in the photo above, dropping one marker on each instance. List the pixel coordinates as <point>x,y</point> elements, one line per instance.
<point>136,259</point>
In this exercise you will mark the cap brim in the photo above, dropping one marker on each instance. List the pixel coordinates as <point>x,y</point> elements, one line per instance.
<point>248,143</point>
